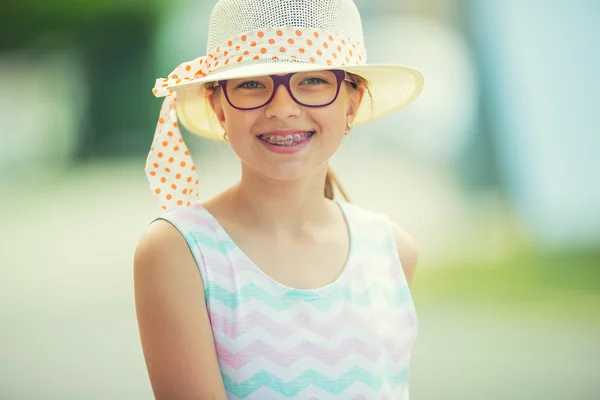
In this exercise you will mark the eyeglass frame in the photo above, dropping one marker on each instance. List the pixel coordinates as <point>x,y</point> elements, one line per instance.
<point>341,76</point>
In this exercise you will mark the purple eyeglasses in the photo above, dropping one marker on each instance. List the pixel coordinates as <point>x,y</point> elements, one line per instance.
<point>310,89</point>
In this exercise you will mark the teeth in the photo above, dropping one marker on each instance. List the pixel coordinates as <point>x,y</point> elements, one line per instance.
<point>287,140</point>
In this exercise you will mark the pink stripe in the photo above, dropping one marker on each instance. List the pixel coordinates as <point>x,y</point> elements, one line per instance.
<point>197,217</point>
<point>350,347</point>
<point>226,268</point>
<point>327,330</point>
<point>355,397</point>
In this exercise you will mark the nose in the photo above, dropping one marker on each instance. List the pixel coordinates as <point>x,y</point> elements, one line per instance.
<point>282,105</point>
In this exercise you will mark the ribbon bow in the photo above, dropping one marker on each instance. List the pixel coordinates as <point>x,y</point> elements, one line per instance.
<point>169,166</point>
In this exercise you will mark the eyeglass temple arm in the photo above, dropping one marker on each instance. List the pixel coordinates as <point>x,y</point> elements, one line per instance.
<point>348,78</point>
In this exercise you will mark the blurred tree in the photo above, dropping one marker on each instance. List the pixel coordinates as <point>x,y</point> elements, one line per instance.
<point>116,39</point>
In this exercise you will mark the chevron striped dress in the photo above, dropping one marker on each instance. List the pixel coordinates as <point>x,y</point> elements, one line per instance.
<point>351,339</point>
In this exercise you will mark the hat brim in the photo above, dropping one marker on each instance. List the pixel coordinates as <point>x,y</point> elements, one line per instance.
<point>391,88</point>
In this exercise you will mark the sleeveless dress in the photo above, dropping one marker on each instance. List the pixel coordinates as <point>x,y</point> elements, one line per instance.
<point>351,339</point>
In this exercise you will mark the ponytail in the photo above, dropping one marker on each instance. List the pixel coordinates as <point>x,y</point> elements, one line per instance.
<point>331,183</point>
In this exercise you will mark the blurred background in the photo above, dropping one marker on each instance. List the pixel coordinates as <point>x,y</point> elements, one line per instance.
<point>493,170</point>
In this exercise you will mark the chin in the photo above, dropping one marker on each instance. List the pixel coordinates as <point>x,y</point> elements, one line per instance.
<point>286,172</point>
<point>286,167</point>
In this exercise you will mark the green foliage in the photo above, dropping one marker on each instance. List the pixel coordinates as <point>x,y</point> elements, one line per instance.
<point>24,22</point>
<point>80,8</point>
<point>563,283</point>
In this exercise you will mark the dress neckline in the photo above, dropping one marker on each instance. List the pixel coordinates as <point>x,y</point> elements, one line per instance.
<point>304,293</point>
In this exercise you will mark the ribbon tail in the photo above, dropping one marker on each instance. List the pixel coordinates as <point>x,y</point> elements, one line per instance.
<point>169,166</point>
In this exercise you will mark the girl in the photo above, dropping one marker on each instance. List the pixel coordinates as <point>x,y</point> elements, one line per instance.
<point>273,289</point>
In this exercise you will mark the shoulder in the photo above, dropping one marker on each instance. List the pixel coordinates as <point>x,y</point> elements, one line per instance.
<point>172,317</point>
<point>405,244</point>
<point>161,242</point>
<point>163,260</point>
<point>407,251</point>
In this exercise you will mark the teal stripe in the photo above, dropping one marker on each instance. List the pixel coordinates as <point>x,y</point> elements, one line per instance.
<point>222,246</point>
<point>378,291</point>
<point>383,246</point>
<point>313,378</point>
<point>247,293</point>
<point>280,303</point>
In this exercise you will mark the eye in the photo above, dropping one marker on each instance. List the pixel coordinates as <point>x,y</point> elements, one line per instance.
<point>314,81</point>
<point>249,85</point>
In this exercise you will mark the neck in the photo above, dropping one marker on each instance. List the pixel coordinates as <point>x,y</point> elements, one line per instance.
<point>281,205</point>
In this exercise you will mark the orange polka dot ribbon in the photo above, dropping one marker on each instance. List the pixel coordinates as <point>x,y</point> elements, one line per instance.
<point>169,166</point>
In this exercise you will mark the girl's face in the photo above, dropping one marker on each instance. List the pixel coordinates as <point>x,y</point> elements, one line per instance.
<point>284,140</point>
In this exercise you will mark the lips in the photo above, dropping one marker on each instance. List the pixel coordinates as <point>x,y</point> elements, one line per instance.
<point>286,138</point>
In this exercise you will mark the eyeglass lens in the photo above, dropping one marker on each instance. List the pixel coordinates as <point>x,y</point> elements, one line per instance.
<point>308,88</point>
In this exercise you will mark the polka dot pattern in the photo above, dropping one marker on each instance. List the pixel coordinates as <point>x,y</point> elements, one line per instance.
<point>169,167</point>
<point>289,44</point>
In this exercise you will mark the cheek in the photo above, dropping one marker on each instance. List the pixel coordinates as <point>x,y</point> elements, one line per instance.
<point>232,121</point>
<point>332,119</point>
<point>237,123</point>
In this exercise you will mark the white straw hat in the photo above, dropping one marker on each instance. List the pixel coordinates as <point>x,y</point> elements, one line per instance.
<point>264,37</point>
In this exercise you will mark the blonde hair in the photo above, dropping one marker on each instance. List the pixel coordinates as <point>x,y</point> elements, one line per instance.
<point>331,181</point>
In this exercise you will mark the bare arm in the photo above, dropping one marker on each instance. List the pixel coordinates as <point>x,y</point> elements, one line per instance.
<point>407,251</point>
<point>173,320</point>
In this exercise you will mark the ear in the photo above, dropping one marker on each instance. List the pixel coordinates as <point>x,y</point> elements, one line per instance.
<point>355,100</point>
<point>214,98</point>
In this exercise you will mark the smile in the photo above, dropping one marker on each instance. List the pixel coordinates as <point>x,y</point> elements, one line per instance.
<point>291,139</point>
